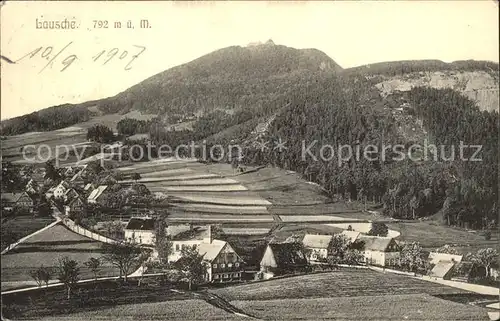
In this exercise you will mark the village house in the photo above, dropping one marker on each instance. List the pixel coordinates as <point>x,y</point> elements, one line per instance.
<point>381,251</point>
<point>50,193</point>
<point>76,205</point>
<point>282,258</point>
<point>70,194</point>
<point>317,246</point>
<point>38,175</point>
<point>32,187</point>
<point>11,200</point>
<point>96,196</point>
<point>222,262</point>
<point>60,190</point>
<point>444,266</point>
<point>140,230</point>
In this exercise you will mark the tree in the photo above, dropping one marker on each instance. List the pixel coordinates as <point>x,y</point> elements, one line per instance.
<point>124,256</point>
<point>163,244</point>
<point>51,171</point>
<point>136,177</point>
<point>41,275</point>
<point>378,229</point>
<point>94,265</point>
<point>342,251</point>
<point>67,273</point>
<point>486,258</point>
<point>447,249</point>
<point>100,134</point>
<point>349,228</point>
<point>412,257</point>
<point>190,266</point>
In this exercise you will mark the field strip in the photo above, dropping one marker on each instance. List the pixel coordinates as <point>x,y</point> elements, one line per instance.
<point>173,178</point>
<point>220,220</point>
<point>154,164</point>
<point>245,230</point>
<point>197,182</point>
<point>212,199</point>
<point>168,172</point>
<point>223,209</point>
<point>216,188</point>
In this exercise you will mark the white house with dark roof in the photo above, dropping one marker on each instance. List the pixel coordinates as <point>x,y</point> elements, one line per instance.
<point>318,246</point>
<point>140,230</point>
<point>60,189</point>
<point>380,251</point>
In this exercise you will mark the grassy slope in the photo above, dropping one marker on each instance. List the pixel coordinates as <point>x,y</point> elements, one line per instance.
<point>352,294</point>
<point>45,249</point>
<point>387,307</point>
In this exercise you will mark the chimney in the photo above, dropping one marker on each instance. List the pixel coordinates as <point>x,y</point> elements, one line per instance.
<point>208,238</point>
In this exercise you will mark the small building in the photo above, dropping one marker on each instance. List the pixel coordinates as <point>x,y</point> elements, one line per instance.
<point>435,257</point>
<point>11,200</point>
<point>97,194</point>
<point>50,193</point>
<point>282,258</point>
<point>75,205</point>
<point>140,230</point>
<point>442,270</point>
<point>70,194</point>
<point>89,187</point>
<point>318,246</point>
<point>60,190</point>
<point>32,187</point>
<point>381,251</point>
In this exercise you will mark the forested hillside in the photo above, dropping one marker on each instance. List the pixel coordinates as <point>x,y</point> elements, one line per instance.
<point>462,191</point>
<point>255,78</point>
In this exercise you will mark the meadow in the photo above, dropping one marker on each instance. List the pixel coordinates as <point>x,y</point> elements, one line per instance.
<point>45,249</point>
<point>376,307</point>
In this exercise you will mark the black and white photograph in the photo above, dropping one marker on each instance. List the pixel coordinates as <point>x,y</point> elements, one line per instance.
<point>250,160</point>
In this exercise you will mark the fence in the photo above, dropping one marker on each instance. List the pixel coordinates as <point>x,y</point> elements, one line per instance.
<point>82,231</point>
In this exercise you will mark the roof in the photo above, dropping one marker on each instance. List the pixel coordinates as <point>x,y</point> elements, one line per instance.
<point>11,197</point>
<point>436,257</point>
<point>78,198</point>
<point>94,195</point>
<point>174,230</point>
<point>317,241</point>
<point>375,243</point>
<point>63,184</point>
<point>211,250</point>
<point>88,186</point>
<point>186,234</point>
<point>351,235</point>
<point>287,254</point>
<point>145,224</point>
<point>441,269</point>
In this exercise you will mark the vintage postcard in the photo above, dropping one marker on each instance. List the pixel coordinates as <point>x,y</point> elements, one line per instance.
<point>232,160</point>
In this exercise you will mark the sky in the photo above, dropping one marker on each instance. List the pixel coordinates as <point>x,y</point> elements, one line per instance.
<point>351,33</point>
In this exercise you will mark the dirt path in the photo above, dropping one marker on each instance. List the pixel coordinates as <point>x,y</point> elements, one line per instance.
<point>220,303</point>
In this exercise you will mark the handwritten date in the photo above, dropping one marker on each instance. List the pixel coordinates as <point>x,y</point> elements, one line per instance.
<point>103,57</point>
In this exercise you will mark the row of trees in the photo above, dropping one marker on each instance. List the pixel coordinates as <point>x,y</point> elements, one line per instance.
<point>131,126</point>
<point>48,119</point>
<point>100,134</point>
